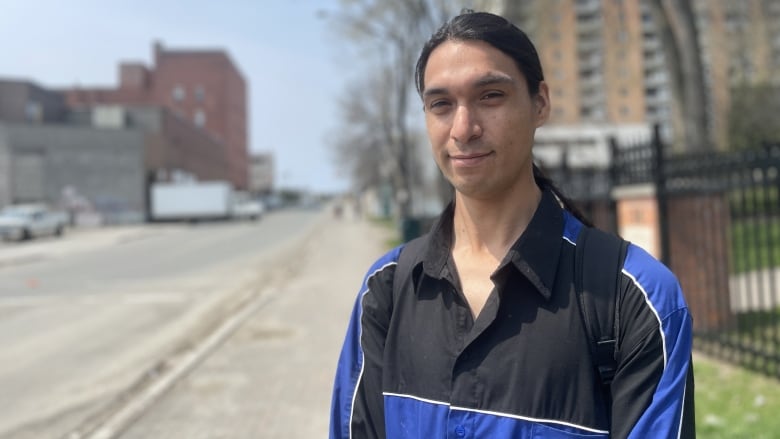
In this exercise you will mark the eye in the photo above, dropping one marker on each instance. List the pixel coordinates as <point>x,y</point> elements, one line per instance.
<point>492,95</point>
<point>439,105</point>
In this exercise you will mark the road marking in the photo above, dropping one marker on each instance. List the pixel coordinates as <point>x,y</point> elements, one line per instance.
<point>146,298</point>
<point>22,260</point>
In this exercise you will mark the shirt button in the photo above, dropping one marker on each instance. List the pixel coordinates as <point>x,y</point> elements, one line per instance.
<point>460,431</point>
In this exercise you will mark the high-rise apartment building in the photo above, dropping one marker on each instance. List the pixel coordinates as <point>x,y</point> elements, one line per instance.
<point>605,63</point>
<point>203,87</point>
<point>602,59</point>
<point>740,43</point>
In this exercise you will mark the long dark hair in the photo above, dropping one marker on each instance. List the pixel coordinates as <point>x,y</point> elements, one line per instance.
<point>494,30</point>
<point>545,182</point>
<point>509,39</point>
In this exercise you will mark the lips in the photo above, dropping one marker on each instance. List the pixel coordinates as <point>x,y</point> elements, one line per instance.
<point>469,160</point>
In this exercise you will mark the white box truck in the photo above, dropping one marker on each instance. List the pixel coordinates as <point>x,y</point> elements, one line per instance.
<point>191,201</point>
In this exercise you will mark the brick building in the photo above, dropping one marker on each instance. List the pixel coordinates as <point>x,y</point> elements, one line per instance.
<point>201,86</point>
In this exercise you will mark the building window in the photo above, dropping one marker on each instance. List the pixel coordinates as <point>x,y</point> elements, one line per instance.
<point>178,93</point>
<point>624,110</point>
<point>33,111</point>
<point>652,110</point>
<point>200,93</point>
<point>199,118</point>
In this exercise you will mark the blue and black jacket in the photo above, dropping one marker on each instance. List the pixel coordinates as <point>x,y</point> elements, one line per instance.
<point>416,364</point>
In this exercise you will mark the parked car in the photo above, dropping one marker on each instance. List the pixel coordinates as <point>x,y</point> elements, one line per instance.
<point>249,209</point>
<point>26,221</point>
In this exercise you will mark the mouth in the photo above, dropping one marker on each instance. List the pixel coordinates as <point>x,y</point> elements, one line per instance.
<point>469,160</point>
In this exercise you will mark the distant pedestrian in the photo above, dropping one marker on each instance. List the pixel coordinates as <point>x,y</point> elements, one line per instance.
<point>485,332</point>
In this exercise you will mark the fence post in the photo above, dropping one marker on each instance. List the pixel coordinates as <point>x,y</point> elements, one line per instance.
<point>659,180</point>
<point>612,175</point>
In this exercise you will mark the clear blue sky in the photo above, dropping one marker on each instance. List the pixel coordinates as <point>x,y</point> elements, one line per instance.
<point>292,61</point>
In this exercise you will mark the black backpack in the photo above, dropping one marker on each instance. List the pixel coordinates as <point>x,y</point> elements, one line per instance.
<point>596,252</point>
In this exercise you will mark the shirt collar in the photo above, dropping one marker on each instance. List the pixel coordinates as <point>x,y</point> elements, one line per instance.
<point>535,254</point>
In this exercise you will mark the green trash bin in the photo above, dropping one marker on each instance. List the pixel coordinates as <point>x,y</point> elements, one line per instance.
<point>410,228</point>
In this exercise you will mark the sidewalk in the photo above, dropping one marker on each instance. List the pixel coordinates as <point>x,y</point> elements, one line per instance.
<point>272,378</point>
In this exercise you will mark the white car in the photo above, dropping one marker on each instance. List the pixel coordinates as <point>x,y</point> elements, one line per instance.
<point>26,221</point>
<point>249,209</point>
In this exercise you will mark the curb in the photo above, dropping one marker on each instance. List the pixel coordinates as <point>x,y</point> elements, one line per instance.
<point>174,370</point>
<point>156,381</point>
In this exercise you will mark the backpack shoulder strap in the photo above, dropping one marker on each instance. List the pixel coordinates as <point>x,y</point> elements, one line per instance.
<point>598,263</point>
<point>406,261</point>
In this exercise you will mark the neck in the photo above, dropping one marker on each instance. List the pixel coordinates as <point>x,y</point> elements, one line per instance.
<point>493,225</point>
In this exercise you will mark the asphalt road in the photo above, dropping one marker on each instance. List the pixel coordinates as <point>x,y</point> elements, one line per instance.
<point>80,319</point>
<point>163,252</point>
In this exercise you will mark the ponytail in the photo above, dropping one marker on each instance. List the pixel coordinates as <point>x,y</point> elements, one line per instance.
<point>545,182</point>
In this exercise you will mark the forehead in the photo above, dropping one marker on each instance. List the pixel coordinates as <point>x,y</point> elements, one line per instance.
<point>454,62</point>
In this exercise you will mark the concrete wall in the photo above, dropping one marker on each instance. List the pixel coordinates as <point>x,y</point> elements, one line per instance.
<point>172,145</point>
<point>13,98</point>
<point>5,170</point>
<point>103,166</point>
<point>176,145</point>
<point>147,118</point>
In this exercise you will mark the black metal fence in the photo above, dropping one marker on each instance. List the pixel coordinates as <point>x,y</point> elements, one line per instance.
<point>719,224</point>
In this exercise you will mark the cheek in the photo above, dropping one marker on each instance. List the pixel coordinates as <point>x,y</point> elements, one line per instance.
<point>438,133</point>
<point>438,148</point>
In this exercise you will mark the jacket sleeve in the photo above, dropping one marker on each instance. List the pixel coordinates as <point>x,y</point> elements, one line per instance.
<point>653,386</point>
<point>357,408</point>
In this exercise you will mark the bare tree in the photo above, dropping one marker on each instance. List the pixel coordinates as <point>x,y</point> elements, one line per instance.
<point>390,34</point>
<point>360,145</point>
<point>753,116</point>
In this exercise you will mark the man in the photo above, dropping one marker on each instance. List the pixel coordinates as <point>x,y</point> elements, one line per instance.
<point>484,339</point>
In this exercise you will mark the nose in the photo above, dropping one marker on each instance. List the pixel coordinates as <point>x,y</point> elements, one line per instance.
<point>465,125</point>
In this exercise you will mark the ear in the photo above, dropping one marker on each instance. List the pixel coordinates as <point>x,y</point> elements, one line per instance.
<point>542,104</point>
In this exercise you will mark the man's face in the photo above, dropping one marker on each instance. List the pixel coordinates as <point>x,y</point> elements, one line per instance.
<point>481,118</point>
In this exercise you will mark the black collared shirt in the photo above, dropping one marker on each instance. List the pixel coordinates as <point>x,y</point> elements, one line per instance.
<point>416,363</point>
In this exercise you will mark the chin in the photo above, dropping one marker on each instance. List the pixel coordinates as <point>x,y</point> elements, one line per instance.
<point>472,189</point>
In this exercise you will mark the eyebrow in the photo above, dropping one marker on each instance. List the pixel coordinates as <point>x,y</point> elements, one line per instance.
<point>489,79</point>
<point>494,78</point>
